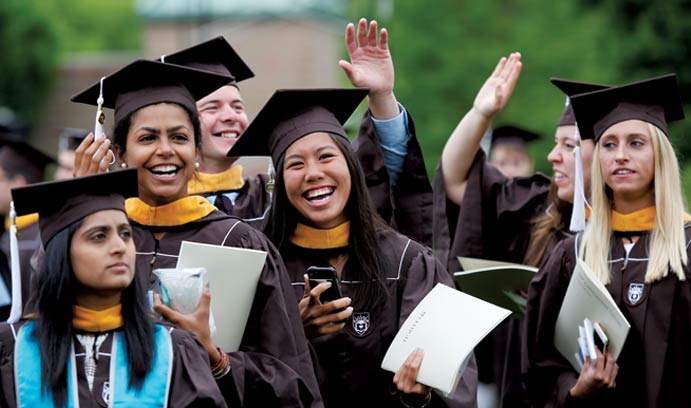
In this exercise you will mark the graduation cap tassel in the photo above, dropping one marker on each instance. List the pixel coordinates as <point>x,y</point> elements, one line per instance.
<point>579,201</point>
<point>100,116</point>
<point>16,310</point>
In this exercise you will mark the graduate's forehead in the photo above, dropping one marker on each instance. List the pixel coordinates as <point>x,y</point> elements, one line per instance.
<point>565,133</point>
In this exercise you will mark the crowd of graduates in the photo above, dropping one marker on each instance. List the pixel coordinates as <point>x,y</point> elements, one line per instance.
<point>81,332</point>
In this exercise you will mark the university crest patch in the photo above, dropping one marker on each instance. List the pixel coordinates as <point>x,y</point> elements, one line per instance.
<point>361,323</point>
<point>635,293</point>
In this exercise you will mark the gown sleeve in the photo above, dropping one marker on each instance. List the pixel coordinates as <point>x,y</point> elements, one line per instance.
<point>547,374</point>
<point>192,383</point>
<point>407,207</point>
<point>493,221</point>
<point>8,396</point>
<point>273,366</point>
<point>424,273</point>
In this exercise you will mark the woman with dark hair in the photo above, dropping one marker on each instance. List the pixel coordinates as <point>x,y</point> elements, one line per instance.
<point>157,131</point>
<point>322,217</point>
<point>92,341</point>
<point>637,245</point>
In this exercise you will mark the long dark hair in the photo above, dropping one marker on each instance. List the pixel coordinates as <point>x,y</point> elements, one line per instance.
<point>122,127</point>
<point>365,261</point>
<point>56,291</point>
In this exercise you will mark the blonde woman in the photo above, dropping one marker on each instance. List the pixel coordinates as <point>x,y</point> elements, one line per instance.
<point>637,245</point>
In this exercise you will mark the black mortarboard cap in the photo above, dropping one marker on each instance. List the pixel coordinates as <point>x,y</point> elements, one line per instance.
<point>17,153</point>
<point>291,114</point>
<point>61,203</point>
<point>214,55</point>
<point>512,134</point>
<point>144,82</point>
<point>655,101</point>
<point>71,138</point>
<point>571,88</point>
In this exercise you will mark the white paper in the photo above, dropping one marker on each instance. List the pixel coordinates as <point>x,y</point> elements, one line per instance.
<point>447,325</point>
<point>586,297</point>
<point>232,274</point>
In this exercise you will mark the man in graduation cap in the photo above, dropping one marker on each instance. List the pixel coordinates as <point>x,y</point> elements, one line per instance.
<point>509,151</point>
<point>21,164</point>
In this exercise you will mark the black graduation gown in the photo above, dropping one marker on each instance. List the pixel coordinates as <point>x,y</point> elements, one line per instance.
<point>191,383</point>
<point>28,241</point>
<point>407,207</point>
<point>273,366</point>
<point>655,364</point>
<point>493,222</point>
<point>350,360</point>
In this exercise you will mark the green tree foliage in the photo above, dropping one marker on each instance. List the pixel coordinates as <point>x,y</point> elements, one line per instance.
<point>29,54</point>
<point>444,50</point>
<point>94,25</point>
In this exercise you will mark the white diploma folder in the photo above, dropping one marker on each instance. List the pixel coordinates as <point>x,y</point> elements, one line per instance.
<point>496,282</point>
<point>447,325</point>
<point>587,297</point>
<point>233,274</point>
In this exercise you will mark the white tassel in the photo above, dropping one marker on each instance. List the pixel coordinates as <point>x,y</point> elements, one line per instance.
<point>579,201</point>
<point>16,310</point>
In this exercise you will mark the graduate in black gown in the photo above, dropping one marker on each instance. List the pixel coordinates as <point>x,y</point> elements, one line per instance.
<point>21,164</point>
<point>480,213</point>
<point>91,341</point>
<point>157,130</point>
<point>637,244</point>
<point>322,216</point>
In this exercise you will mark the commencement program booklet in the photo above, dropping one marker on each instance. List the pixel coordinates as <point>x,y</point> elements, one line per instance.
<point>447,325</point>
<point>232,274</point>
<point>587,297</point>
<point>496,282</point>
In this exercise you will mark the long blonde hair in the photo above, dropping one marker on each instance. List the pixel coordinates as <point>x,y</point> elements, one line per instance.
<point>667,248</point>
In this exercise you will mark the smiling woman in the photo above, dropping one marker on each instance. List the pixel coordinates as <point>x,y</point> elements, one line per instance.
<point>157,130</point>
<point>322,216</point>
<point>91,341</point>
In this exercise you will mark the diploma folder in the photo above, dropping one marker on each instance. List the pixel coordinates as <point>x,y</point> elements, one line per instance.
<point>233,274</point>
<point>587,297</point>
<point>495,282</point>
<point>447,325</point>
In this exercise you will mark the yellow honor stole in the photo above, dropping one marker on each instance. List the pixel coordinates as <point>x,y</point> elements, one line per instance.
<point>178,212</point>
<point>22,222</point>
<point>314,238</point>
<point>641,220</point>
<point>204,183</point>
<point>96,321</point>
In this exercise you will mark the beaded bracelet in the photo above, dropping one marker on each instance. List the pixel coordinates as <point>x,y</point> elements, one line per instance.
<point>222,366</point>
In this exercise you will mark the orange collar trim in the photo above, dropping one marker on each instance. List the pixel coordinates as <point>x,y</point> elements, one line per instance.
<point>204,183</point>
<point>314,238</point>
<point>22,222</point>
<point>178,212</point>
<point>96,321</point>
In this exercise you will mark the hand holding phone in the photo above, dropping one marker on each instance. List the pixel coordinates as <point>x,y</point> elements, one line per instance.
<point>319,274</point>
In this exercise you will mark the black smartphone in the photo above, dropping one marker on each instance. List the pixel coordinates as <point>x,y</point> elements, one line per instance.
<point>319,274</point>
<point>600,338</point>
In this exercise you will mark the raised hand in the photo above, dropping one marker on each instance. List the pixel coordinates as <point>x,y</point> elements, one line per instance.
<point>371,66</point>
<point>497,89</point>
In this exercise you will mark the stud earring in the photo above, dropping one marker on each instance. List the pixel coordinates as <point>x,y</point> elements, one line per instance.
<point>123,165</point>
<point>196,165</point>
